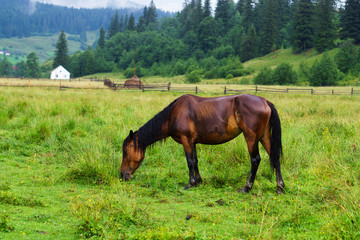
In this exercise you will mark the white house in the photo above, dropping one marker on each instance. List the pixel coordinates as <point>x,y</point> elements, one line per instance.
<point>60,73</point>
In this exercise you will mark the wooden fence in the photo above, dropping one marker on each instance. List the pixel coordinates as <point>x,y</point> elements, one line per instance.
<point>184,88</point>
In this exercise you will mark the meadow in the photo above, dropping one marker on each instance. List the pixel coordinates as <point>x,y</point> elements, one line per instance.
<point>61,151</point>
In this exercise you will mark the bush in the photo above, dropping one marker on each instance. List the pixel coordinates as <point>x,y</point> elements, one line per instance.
<point>264,77</point>
<point>193,77</point>
<point>229,76</point>
<point>346,58</point>
<point>324,73</point>
<point>284,74</point>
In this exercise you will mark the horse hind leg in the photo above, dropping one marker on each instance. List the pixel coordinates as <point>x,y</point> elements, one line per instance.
<point>253,147</point>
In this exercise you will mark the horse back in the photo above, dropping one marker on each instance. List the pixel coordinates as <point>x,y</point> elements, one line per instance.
<point>214,120</point>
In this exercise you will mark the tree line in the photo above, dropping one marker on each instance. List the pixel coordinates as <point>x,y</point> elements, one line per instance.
<point>24,18</point>
<point>198,41</point>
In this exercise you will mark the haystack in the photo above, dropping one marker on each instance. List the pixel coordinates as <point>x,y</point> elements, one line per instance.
<point>133,82</point>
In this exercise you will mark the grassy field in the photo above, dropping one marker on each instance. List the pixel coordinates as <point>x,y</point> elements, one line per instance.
<point>60,156</point>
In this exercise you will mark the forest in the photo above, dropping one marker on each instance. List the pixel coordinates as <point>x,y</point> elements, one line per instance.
<point>201,42</point>
<point>24,18</point>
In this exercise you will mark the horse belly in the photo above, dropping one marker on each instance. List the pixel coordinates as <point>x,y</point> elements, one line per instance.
<point>221,134</point>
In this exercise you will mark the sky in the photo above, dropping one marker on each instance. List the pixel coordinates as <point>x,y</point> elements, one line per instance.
<point>166,5</point>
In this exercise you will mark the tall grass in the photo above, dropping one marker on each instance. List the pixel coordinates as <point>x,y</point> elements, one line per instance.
<point>60,156</point>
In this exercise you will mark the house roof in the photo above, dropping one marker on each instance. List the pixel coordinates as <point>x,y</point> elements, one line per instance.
<point>61,68</point>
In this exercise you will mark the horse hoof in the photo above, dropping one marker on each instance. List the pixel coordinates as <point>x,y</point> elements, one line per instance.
<point>188,186</point>
<point>279,191</point>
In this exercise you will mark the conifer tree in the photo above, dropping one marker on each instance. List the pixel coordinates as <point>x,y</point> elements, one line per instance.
<point>270,27</point>
<point>246,14</point>
<point>32,66</point>
<point>101,42</point>
<point>131,23</point>
<point>350,21</point>
<point>151,14</point>
<point>325,31</point>
<point>114,27</point>
<point>61,53</point>
<point>223,15</point>
<point>207,9</point>
<point>303,26</point>
<point>249,47</point>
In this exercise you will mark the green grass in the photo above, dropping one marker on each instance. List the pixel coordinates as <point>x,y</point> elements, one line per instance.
<point>43,46</point>
<point>60,156</point>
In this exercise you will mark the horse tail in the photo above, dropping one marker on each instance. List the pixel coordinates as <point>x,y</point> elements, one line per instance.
<point>275,140</point>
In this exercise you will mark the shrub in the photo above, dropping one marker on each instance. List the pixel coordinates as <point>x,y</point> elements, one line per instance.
<point>346,58</point>
<point>324,73</point>
<point>229,76</point>
<point>264,77</point>
<point>284,74</point>
<point>193,77</point>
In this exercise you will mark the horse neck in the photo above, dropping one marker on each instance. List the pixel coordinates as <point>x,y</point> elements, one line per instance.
<point>156,128</point>
<point>152,132</point>
<point>146,138</point>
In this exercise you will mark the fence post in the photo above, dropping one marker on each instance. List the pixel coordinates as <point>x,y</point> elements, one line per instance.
<point>29,83</point>
<point>89,86</point>
<point>312,91</point>
<point>169,86</point>
<point>256,89</point>
<point>352,91</point>
<point>225,90</point>
<point>196,89</point>
<point>332,92</point>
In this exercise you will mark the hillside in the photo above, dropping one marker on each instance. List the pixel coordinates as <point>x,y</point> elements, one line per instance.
<point>43,46</point>
<point>286,56</point>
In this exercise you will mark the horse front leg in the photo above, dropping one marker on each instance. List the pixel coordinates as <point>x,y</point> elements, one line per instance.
<point>192,161</point>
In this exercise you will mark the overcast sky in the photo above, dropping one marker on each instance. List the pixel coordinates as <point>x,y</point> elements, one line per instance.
<point>167,5</point>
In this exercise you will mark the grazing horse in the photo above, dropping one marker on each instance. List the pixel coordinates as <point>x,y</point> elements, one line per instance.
<point>191,119</point>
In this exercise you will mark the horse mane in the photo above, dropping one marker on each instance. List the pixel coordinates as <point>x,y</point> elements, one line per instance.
<point>151,131</point>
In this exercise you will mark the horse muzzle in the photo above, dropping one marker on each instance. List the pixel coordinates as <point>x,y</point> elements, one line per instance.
<point>126,176</point>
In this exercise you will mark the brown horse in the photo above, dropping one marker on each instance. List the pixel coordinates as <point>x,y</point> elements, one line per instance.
<point>191,119</point>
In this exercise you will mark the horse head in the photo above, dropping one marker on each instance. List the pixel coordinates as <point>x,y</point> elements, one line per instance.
<point>133,155</point>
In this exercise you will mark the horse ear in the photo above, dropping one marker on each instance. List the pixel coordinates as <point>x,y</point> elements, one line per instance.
<point>131,134</point>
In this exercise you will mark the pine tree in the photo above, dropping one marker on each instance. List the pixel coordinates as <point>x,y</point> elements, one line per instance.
<point>303,38</point>
<point>207,34</point>
<point>131,23</point>
<point>350,21</point>
<point>207,9</point>
<point>246,14</point>
<point>223,15</point>
<point>114,27</point>
<point>61,53</point>
<point>32,66</point>
<point>151,14</point>
<point>101,42</point>
<point>270,32</point>
<point>325,31</point>
<point>249,47</point>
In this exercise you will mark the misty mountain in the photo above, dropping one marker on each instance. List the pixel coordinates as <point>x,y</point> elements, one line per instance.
<point>24,18</point>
